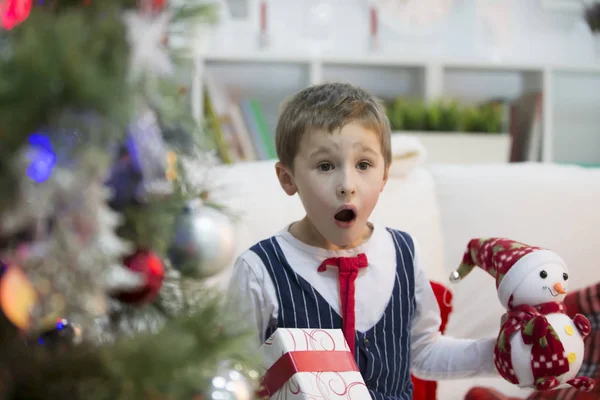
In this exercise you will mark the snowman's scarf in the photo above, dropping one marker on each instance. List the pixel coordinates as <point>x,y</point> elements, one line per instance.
<point>548,358</point>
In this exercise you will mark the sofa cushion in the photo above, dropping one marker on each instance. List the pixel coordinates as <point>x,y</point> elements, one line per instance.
<point>408,153</point>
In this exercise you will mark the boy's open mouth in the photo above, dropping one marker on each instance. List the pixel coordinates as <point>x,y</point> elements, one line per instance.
<point>346,215</point>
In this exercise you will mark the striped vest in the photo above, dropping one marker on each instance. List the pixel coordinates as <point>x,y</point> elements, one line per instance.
<point>382,352</point>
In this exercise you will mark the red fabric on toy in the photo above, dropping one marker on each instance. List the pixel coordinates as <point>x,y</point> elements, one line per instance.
<point>426,390</point>
<point>480,393</point>
<point>586,302</point>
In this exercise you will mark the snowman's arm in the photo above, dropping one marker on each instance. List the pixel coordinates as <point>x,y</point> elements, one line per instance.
<point>582,324</point>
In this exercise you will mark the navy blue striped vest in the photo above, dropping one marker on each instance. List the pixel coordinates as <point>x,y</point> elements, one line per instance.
<point>382,352</point>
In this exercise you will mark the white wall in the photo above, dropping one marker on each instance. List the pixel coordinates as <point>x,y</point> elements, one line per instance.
<point>511,30</point>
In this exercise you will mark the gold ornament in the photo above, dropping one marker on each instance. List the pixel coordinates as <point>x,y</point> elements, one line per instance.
<point>171,173</point>
<point>17,297</point>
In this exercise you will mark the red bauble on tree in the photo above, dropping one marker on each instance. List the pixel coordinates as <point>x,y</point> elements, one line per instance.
<point>159,5</point>
<point>150,266</point>
<point>14,12</point>
<point>152,5</point>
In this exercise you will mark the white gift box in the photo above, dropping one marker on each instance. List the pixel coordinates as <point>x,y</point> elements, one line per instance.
<point>307,364</point>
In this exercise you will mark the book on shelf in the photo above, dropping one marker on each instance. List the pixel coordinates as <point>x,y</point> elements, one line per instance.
<point>526,127</point>
<point>237,123</point>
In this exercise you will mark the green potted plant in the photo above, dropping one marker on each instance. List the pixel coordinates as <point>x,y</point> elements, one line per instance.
<point>407,115</point>
<point>443,116</point>
<point>443,126</point>
<point>485,118</point>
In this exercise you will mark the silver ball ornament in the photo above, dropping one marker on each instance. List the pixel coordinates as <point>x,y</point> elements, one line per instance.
<point>232,382</point>
<point>454,277</point>
<point>203,241</point>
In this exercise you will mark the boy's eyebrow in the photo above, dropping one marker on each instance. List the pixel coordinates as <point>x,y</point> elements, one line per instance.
<point>365,148</point>
<point>326,150</point>
<point>319,150</point>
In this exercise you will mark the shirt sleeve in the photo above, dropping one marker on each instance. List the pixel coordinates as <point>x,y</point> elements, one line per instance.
<point>435,356</point>
<point>249,296</point>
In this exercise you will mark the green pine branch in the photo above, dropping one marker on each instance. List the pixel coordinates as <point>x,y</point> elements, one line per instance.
<point>52,65</point>
<point>68,57</point>
<point>175,363</point>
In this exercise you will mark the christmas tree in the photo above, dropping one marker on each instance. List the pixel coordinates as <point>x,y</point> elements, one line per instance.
<point>103,240</point>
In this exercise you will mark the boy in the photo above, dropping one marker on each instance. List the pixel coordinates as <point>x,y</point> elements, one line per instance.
<point>335,269</point>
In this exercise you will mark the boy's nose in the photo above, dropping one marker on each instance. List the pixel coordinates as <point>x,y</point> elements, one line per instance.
<point>346,190</point>
<point>346,185</point>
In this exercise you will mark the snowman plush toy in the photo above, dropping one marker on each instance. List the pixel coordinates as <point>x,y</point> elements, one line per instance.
<point>539,346</point>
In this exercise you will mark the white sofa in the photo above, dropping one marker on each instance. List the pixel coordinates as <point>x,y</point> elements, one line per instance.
<point>444,206</point>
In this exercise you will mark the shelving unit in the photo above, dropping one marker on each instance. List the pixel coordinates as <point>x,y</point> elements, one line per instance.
<point>576,117</point>
<point>570,93</point>
<point>388,81</point>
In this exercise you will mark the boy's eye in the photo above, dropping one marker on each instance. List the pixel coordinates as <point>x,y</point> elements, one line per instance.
<point>325,167</point>
<point>363,165</point>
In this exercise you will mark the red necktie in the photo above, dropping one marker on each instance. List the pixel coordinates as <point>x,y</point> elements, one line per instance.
<point>348,271</point>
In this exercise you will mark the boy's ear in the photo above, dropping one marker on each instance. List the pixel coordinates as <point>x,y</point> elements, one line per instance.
<point>286,179</point>
<point>386,175</point>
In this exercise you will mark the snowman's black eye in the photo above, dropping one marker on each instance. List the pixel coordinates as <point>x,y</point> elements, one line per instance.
<point>543,274</point>
<point>565,276</point>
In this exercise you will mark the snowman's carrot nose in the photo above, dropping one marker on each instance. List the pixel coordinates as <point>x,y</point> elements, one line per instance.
<point>559,288</point>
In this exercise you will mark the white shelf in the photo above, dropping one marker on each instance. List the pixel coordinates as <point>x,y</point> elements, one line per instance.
<point>377,59</point>
<point>571,124</point>
<point>461,147</point>
<point>385,81</point>
<point>473,84</point>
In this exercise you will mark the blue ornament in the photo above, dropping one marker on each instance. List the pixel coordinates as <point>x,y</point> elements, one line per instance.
<point>41,157</point>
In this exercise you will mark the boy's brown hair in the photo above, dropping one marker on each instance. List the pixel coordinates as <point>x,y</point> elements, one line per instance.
<point>329,106</point>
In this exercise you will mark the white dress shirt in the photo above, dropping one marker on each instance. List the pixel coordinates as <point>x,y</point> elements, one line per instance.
<point>434,356</point>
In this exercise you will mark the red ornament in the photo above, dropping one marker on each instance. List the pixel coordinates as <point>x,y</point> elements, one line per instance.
<point>159,5</point>
<point>14,12</point>
<point>152,6</point>
<point>151,267</point>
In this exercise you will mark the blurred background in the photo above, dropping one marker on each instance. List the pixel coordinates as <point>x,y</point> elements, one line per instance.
<point>475,81</point>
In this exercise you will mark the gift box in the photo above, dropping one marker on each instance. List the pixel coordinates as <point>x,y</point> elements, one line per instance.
<point>310,364</point>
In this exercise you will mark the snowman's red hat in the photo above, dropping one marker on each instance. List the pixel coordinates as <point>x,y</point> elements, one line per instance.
<point>509,262</point>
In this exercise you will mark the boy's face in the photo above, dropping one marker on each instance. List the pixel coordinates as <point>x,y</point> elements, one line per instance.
<point>338,177</point>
